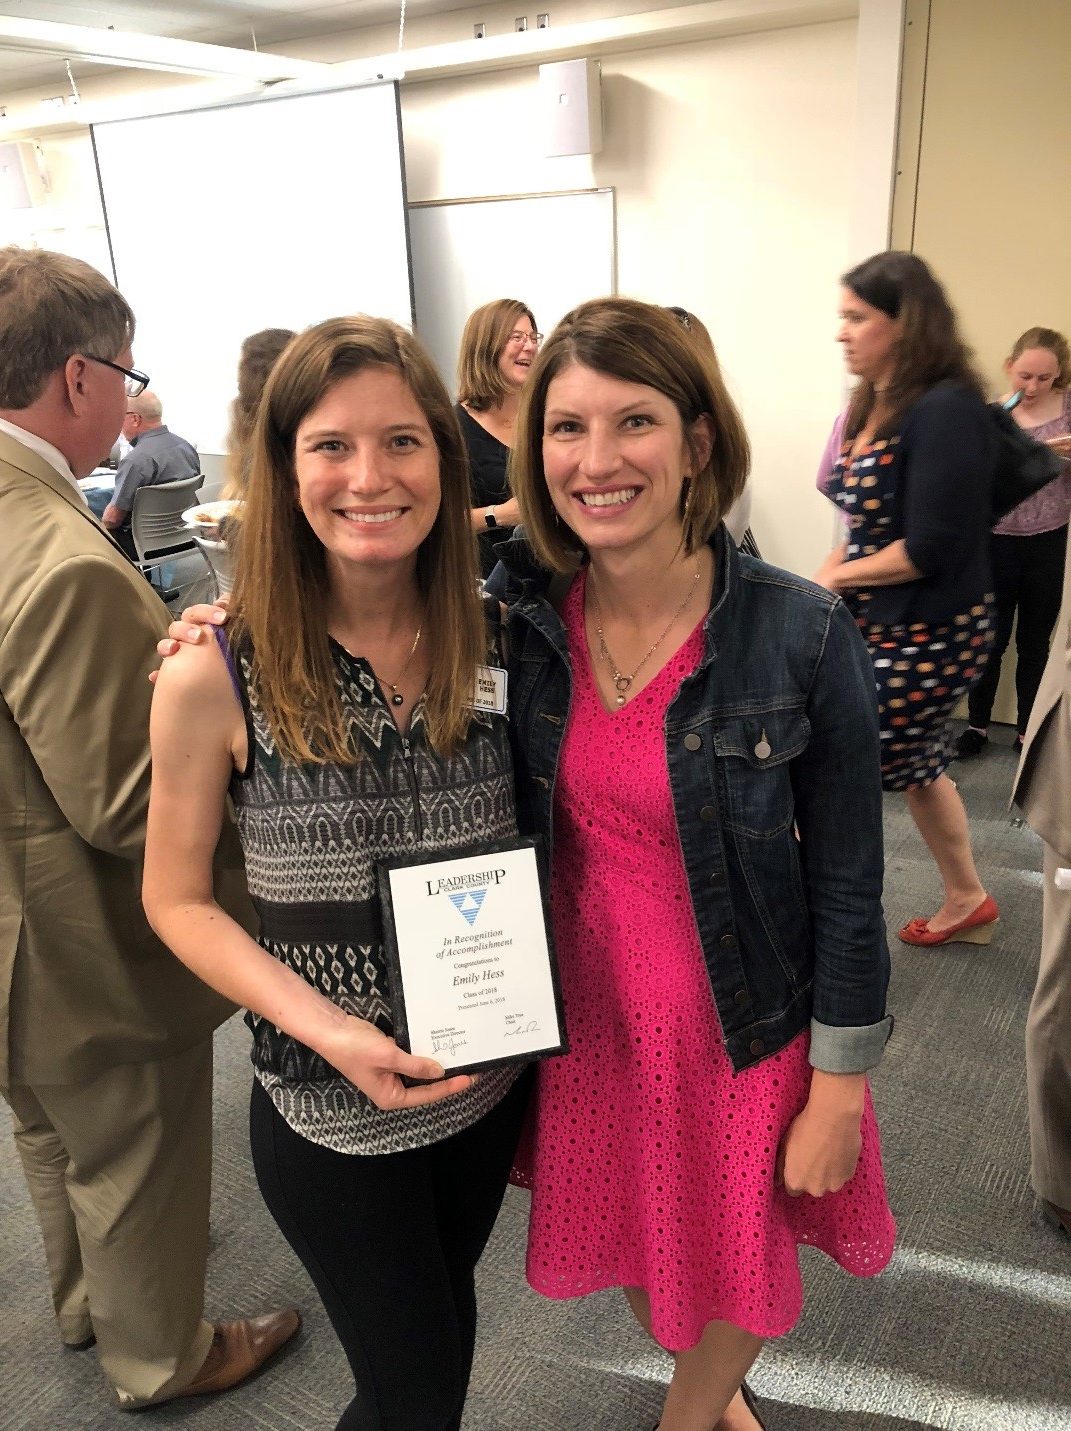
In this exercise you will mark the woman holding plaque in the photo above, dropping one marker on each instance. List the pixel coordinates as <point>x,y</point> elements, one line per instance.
<point>698,731</point>
<point>352,741</point>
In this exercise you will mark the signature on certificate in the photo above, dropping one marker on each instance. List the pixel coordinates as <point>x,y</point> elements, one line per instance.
<point>532,1026</point>
<point>450,1044</point>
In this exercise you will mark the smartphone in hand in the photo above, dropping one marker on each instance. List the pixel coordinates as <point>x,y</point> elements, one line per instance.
<point>1014,401</point>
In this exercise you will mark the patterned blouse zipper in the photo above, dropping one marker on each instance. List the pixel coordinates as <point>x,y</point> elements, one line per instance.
<point>410,770</point>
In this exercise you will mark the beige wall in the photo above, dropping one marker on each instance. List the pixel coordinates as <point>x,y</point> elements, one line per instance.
<point>992,210</point>
<point>729,160</point>
<point>732,159</point>
<point>987,124</point>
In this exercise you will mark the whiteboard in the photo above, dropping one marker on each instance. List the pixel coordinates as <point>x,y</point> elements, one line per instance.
<point>273,213</point>
<point>552,251</point>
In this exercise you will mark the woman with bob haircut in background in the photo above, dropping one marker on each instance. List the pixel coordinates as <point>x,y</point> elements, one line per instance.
<point>913,479</point>
<point>498,346</point>
<point>696,738</point>
<point>338,718</point>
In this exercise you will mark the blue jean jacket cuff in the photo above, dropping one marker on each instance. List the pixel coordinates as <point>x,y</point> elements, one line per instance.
<point>849,1050</point>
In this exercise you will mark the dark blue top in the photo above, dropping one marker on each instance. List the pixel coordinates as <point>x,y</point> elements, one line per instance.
<point>930,484</point>
<point>155,456</point>
<point>488,462</point>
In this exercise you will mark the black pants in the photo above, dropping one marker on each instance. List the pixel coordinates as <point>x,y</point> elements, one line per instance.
<point>1028,577</point>
<point>391,1243</point>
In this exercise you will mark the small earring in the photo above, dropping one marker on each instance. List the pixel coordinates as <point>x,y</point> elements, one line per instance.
<point>687,508</point>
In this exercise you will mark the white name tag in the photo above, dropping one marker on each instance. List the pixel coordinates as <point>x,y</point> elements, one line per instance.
<point>490,690</point>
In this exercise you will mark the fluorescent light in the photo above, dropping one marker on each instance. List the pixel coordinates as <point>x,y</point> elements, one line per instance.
<point>151,52</point>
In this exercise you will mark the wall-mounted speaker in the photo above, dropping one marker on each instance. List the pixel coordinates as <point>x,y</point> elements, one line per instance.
<point>570,98</point>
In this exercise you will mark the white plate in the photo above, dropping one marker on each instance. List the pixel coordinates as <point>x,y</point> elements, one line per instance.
<point>207,517</point>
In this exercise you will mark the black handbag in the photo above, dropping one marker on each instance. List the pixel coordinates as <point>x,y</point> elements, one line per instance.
<point>1023,465</point>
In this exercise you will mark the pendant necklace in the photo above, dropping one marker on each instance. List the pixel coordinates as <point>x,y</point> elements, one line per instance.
<point>622,682</point>
<point>396,697</point>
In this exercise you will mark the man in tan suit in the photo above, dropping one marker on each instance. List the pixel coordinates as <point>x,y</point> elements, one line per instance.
<point>1043,793</point>
<point>105,1038</point>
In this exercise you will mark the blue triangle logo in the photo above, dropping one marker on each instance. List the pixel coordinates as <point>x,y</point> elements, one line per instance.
<point>468,904</point>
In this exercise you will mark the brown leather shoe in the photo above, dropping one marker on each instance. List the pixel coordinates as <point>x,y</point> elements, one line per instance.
<point>239,1349</point>
<point>1059,1217</point>
<point>83,1343</point>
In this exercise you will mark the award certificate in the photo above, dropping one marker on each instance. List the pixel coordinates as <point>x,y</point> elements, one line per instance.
<point>473,977</point>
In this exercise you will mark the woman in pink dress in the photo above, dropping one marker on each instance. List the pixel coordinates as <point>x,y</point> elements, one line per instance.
<point>696,736</point>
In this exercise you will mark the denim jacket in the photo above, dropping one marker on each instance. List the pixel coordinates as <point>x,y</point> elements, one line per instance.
<point>772,748</point>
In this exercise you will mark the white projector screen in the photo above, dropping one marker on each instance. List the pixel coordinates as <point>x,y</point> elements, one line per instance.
<point>274,213</point>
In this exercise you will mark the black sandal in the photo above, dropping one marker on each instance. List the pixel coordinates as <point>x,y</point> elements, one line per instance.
<point>751,1404</point>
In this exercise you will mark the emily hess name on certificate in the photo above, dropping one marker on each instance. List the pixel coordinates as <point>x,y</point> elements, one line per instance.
<point>476,969</point>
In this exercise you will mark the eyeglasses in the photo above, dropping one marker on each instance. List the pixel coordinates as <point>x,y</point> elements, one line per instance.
<point>136,382</point>
<point>518,340</point>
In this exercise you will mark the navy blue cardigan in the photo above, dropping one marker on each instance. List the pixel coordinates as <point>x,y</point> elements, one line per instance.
<point>943,469</point>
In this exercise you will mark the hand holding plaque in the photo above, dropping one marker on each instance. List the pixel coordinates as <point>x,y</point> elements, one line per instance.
<point>474,981</point>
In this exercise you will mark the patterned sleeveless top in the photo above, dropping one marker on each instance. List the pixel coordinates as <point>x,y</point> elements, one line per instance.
<point>312,835</point>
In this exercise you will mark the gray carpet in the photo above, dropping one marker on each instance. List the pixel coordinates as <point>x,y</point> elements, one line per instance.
<point>968,1329</point>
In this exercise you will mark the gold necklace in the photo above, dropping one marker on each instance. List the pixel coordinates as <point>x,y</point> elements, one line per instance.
<point>622,682</point>
<point>396,697</point>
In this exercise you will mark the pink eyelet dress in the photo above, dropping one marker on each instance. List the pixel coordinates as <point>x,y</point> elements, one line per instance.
<point>651,1164</point>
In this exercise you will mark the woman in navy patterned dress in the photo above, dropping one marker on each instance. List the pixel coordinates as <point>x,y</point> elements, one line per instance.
<point>913,480</point>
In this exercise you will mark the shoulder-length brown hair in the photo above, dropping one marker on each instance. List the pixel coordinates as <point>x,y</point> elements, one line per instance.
<point>1054,343</point>
<point>638,343</point>
<point>280,594</point>
<point>259,354</point>
<point>929,350</point>
<point>480,384</point>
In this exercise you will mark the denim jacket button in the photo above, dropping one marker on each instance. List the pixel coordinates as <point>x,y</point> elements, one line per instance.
<point>692,741</point>
<point>757,1045</point>
<point>717,879</point>
<point>728,941</point>
<point>708,812</point>
<point>740,997</point>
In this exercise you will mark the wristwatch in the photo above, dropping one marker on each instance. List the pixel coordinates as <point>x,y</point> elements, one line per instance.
<point>490,518</point>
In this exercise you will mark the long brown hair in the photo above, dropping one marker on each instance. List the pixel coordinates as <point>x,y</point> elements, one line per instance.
<point>480,384</point>
<point>280,594</point>
<point>638,343</point>
<point>259,354</point>
<point>1054,343</point>
<point>929,350</point>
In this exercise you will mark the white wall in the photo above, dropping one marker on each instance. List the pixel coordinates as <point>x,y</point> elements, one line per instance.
<point>733,161</point>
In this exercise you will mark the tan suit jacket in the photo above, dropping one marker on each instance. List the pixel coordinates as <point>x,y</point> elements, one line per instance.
<point>84,983</point>
<point>1042,788</point>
